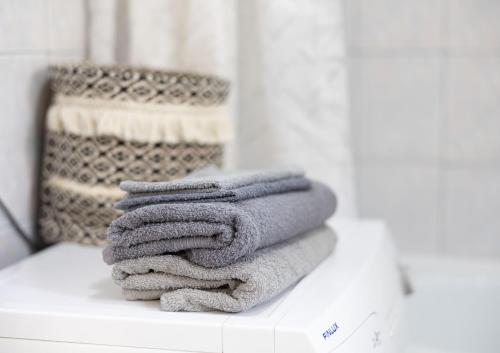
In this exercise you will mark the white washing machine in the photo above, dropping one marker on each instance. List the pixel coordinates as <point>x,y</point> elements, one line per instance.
<point>63,300</point>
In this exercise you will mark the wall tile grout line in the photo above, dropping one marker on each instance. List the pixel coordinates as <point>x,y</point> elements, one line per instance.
<point>22,52</point>
<point>442,132</point>
<point>423,52</point>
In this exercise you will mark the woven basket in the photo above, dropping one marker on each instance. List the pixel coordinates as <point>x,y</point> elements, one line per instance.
<point>112,123</point>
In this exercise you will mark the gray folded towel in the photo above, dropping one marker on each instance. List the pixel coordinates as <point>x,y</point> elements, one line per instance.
<point>214,234</point>
<point>184,286</point>
<point>212,185</point>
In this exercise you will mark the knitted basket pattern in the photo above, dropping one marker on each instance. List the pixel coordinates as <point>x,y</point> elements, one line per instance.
<point>112,123</point>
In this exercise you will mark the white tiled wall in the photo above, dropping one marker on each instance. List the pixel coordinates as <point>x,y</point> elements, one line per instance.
<point>33,33</point>
<point>425,105</point>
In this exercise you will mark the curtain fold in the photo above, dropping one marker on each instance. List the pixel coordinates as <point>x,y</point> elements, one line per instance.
<point>285,59</point>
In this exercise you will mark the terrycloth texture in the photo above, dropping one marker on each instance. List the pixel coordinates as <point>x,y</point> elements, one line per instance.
<point>211,180</point>
<point>220,187</point>
<point>214,234</point>
<point>184,286</point>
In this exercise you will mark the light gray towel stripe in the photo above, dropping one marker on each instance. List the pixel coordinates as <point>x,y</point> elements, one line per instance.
<point>184,286</point>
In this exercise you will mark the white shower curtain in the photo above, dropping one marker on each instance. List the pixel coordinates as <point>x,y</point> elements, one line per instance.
<point>285,59</point>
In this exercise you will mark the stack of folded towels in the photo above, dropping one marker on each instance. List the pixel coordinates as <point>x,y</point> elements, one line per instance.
<point>216,241</point>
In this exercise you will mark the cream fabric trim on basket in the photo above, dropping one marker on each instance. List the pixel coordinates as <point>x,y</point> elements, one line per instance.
<point>96,191</point>
<point>140,121</point>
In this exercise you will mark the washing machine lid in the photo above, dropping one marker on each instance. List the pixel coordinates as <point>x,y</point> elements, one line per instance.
<point>65,293</point>
<point>350,303</point>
